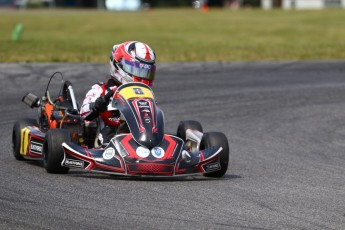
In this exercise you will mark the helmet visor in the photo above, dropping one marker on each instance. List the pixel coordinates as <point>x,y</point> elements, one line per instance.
<point>142,70</point>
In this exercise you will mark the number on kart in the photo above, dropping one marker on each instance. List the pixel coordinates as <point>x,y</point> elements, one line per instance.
<point>138,91</point>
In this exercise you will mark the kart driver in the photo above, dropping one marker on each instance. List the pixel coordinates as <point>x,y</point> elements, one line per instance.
<point>130,61</point>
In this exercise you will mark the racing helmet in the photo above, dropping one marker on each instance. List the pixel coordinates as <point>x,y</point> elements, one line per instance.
<point>133,62</point>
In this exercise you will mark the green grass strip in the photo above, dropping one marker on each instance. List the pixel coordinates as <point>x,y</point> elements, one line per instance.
<point>176,35</point>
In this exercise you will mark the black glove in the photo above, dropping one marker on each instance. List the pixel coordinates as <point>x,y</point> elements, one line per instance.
<point>100,105</point>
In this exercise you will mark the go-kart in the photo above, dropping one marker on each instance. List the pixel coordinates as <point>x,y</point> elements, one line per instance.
<point>139,147</point>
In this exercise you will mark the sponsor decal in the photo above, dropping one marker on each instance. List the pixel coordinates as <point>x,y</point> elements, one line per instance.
<point>143,104</point>
<point>212,167</point>
<point>158,152</point>
<point>113,119</point>
<point>145,66</point>
<point>74,163</point>
<point>109,153</point>
<point>142,152</point>
<point>147,120</point>
<point>36,147</point>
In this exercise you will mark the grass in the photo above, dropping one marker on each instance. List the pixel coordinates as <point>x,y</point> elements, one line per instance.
<point>176,35</point>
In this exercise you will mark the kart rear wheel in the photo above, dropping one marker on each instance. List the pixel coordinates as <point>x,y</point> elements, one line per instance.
<point>53,152</point>
<point>189,124</point>
<point>217,139</point>
<point>16,135</point>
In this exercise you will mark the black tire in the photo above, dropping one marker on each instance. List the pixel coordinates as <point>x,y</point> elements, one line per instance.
<point>189,124</point>
<point>53,152</point>
<point>16,135</point>
<point>217,139</point>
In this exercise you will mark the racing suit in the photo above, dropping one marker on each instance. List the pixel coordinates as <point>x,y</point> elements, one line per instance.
<point>90,111</point>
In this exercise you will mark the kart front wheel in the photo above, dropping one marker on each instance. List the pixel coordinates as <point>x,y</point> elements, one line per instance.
<point>53,152</point>
<point>17,138</point>
<point>217,139</point>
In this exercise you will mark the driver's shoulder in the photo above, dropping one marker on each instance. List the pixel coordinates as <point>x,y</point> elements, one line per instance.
<point>98,86</point>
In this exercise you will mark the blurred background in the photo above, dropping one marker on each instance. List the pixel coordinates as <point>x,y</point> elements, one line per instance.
<point>202,4</point>
<point>178,30</point>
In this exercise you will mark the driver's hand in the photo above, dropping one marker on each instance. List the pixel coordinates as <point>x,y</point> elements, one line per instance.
<point>100,105</point>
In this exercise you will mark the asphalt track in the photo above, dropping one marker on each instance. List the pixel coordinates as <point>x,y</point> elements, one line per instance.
<point>285,122</point>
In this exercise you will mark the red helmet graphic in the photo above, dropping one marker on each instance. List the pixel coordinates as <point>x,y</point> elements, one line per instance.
<point>133,61</point>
